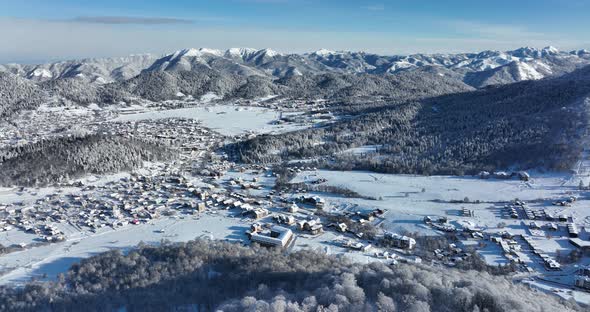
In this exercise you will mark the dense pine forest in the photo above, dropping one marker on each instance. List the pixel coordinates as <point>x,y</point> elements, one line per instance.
<point>528,124</point>
<point>18,94</point>
<point>58,160</point>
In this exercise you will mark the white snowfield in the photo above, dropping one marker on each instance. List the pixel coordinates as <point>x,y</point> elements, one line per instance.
<point>225,119</point>
<point>409,198</point>
<point>46,262</point>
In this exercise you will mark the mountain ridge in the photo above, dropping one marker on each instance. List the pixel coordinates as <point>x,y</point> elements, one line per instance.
<point>523,64</point>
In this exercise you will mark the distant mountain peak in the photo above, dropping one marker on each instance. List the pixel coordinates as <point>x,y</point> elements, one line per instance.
<point>581,52</point>
<point>240,52</point>
<point>269,52</point>
<point>324,52</point>
<point>192,52</point>
<point>551,50</point>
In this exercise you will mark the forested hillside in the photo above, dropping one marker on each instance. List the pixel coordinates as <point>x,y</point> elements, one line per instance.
<point>159,86</point>
<point>57,160</point>
<point>208,275</point>
<point>397,88</point>
<point>17,94</point>
<point>529,124</point>
<point>77,91</point>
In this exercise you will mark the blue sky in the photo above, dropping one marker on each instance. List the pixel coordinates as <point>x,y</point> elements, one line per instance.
<point>41,30</point>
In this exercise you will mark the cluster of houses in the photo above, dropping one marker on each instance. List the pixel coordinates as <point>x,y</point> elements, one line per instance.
<point>503,175</point>
<point>48,124</point>
<point>245,185</point>
<point>511,249</point>
<point>34,219</point>
<point>512,210</point>
<point>188,135</point>
<point>534,214</point>
<point>451,254</point>
<point>314,201</point>
<point>399,241</point>
<point>354,245</point>
<point>440,223</point>
<point>130,200</point>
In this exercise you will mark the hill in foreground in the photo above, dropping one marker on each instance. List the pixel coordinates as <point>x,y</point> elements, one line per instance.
<point>209,275</point>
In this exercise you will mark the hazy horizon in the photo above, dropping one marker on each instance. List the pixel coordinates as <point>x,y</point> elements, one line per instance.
<point>40,31</point>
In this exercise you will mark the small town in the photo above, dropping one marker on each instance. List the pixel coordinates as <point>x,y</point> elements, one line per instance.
<point>312,210</point>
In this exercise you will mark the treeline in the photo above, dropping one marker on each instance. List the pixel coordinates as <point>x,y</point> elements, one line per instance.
<point>209,275</point>
<point>528,124</point>
<point>17,94</point>
<point>58,160</point>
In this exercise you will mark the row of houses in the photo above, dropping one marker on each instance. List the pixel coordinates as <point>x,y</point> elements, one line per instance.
<point>549,262</point>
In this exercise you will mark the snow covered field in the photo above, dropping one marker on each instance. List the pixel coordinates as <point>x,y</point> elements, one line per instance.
<point>50,260</point>
<point>408,198</point>
<point>441,187</point>
<point>225,119</point>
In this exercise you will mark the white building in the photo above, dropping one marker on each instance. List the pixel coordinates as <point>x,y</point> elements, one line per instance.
<point>279,237</point>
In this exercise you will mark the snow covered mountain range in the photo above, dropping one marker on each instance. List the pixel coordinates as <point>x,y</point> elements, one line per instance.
<point>476,69</point>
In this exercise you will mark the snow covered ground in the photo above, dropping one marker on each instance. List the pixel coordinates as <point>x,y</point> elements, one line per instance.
<point>50,260</point>
<point>409,198</point>
<point>395,186</point>
<point>225,119</point>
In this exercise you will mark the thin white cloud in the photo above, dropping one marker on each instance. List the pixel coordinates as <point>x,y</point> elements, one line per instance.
<point>494,31</point>
<point>374,7</point>
<point>129,20</point>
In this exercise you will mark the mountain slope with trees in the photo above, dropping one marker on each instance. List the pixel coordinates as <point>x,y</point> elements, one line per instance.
<point>529,124</point>
<point>18,94</point>
<point>58,160</point>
